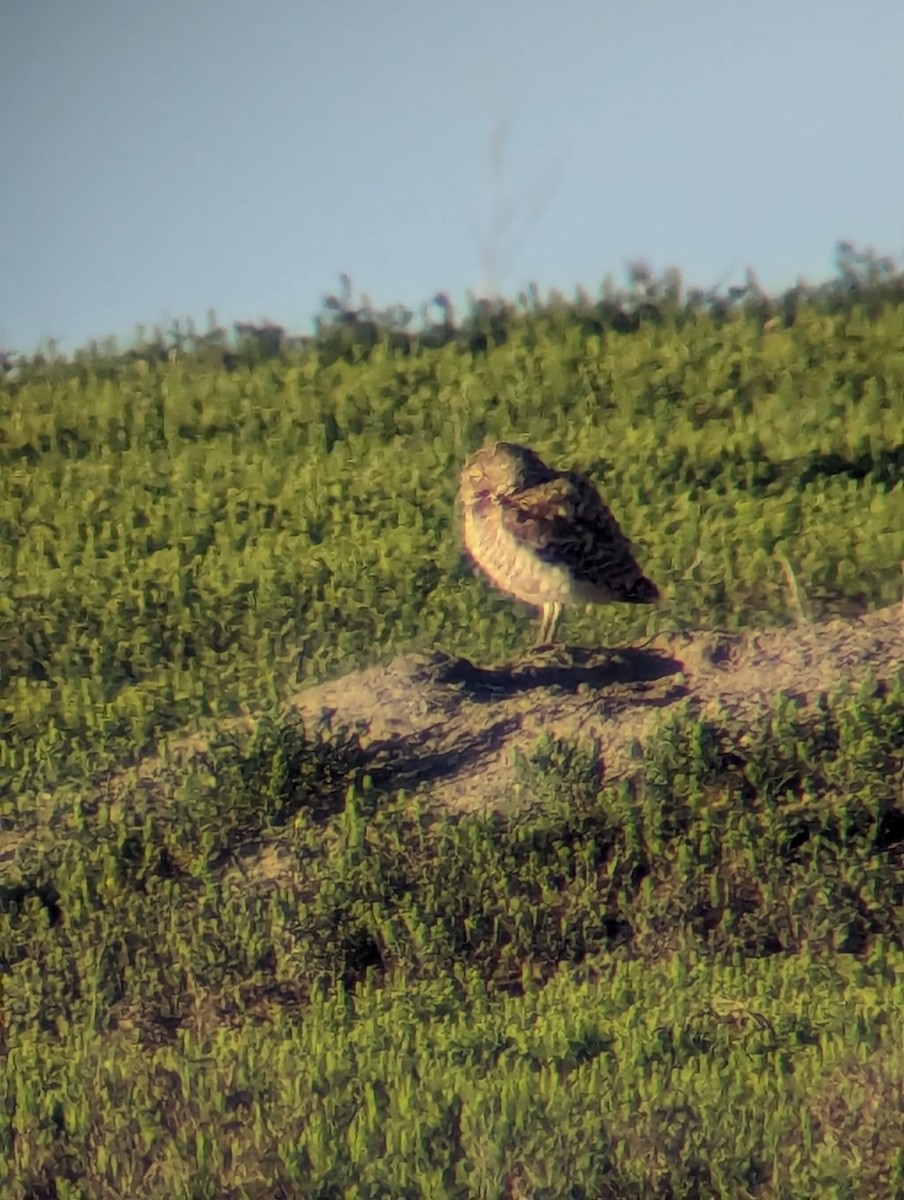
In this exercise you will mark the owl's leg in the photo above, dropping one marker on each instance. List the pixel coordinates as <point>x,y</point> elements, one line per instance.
<point>549,619</point>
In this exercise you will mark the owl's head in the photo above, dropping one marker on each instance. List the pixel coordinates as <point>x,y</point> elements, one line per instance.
<point>503,468</point>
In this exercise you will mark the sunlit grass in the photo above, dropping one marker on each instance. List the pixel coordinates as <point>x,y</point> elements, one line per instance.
<point>626,988</point>
<point>255,974</point>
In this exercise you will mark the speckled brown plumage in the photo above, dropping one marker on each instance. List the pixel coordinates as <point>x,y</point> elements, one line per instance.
<point>545,536</point>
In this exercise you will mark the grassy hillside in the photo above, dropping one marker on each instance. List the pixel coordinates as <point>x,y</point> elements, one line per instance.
<point>179,541</point>
<point>687,985</point>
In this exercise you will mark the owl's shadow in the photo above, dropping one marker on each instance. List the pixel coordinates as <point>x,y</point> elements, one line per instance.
<point>568,668</point>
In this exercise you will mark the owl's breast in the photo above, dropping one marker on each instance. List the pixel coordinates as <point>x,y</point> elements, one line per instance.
<point>510,563</point>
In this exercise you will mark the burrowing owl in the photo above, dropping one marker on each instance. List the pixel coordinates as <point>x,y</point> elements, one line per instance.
<point>545,536</point>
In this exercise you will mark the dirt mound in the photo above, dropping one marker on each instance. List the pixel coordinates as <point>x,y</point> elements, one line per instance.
<point>443,722</point>
<point>455,726</point>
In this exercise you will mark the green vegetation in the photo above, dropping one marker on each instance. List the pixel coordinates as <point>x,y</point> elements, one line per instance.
<point>691,986</point>
<point>256,975</point>
<point>178,540</point>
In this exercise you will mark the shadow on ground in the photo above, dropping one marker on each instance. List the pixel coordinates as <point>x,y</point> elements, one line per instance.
<point>567,668</point>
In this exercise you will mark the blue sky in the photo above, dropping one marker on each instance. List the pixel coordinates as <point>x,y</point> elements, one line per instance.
<point>161,159</point>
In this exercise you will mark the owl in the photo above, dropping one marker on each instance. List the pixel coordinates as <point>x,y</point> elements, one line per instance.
<point>545,536</point>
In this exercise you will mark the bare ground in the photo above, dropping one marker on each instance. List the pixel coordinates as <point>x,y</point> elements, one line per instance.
<point>453,727</point>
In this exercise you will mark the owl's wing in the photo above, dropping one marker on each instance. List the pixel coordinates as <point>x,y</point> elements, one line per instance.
<point>565,523</point>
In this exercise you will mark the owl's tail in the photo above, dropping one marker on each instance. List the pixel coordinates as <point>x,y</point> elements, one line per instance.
<point>644,591</point>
